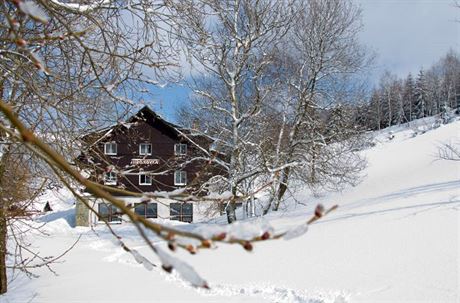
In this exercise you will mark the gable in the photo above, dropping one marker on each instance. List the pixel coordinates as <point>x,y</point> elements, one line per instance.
<point>145,115</point>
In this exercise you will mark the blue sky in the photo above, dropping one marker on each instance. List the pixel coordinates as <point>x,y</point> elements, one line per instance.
<point>166,101</point>
<point>406,35</point>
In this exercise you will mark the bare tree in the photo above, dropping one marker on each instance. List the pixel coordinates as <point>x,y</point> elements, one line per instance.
<point>265,93</point>
<point>321,52</point>
<point>232,45</point>
<point>21,182</point>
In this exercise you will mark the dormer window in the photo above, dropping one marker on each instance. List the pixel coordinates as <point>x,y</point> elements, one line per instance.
<point>145,149</point>
<point>110,148</point>
<point>180,177</point>
<point>110,178</point>
<point>180,149</point>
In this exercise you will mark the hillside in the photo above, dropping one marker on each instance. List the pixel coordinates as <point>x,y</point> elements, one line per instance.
<point>394,238</point>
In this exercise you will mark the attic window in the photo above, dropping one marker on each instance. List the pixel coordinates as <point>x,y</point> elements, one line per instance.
<point>180,149</point>
<point>145,149</point>
<point>110,148</point>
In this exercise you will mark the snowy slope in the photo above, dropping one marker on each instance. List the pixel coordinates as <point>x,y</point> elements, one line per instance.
<point>394,238</point>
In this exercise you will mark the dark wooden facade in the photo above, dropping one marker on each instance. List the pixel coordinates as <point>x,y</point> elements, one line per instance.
<point>161,165</point>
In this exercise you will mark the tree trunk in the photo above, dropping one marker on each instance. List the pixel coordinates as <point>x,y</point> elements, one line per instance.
<point>282,188</point>
<point>231,215</point>
<point>269,205</point>
<point>252,207</point>
<point>281,191</point>
<point>3,231</point>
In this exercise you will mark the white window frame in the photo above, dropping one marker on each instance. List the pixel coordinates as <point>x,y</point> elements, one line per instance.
<point>180,173</point>
<point>178,149</point>
<point>110,181</point>
<point>180,215</point>
<point>145,209</point>
<point>143,153</point>
<point>113,213</point>
<point>106,152</point>
<point>146,183</point>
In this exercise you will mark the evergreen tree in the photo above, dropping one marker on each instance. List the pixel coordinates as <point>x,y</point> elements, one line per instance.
<point>399,115</point>
<point>408,97</point>
<point>434,92</point>
<point>420,109</point>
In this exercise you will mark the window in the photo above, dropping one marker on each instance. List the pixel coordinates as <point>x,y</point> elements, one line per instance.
<point>145,149</point>
<point>110,148</point>
<point>109,213</point>
<point>181,212</point>
<point>110,178</point>
<point>180,149</point>
<point>145,179</point>
<point>146,210</point>
<point>180,177</point>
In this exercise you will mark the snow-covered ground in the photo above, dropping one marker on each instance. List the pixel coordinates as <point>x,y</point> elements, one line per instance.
<point>394,238</point>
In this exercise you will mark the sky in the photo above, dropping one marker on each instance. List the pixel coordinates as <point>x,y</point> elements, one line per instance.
<point>406,35</point>
<point>409,34</point>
